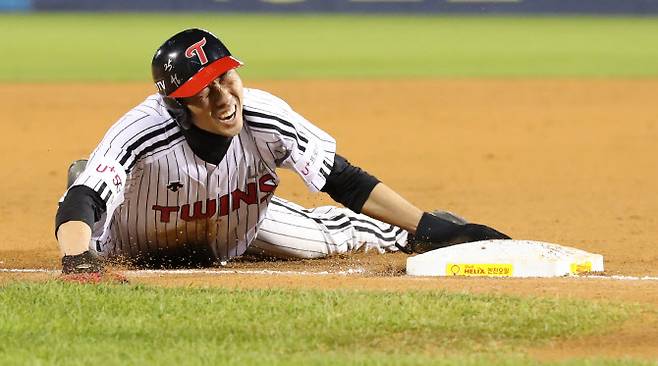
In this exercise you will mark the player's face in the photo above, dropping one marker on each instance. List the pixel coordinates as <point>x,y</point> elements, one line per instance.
<point>217,108</point>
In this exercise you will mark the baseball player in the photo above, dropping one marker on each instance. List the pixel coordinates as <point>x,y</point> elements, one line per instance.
<point>188,177</point>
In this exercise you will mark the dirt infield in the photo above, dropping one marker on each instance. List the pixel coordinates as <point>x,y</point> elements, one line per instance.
<point>564,161</point>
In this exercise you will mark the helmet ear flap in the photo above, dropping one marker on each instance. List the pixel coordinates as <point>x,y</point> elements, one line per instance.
<point>179,112</point>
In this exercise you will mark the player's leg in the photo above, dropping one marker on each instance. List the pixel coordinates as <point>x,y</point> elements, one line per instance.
<point>291,231</point>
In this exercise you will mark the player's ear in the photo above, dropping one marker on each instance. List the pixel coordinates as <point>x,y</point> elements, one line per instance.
<point>179,112</point>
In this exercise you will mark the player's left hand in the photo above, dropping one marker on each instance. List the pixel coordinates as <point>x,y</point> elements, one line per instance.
<point>435,232</point>
<point>464,234</point>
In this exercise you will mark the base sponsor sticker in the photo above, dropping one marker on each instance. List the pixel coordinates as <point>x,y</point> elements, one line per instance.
<point>583,267</point>
<point>479,269</point>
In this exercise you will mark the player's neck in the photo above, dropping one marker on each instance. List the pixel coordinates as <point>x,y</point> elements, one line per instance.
<point>208,146</point>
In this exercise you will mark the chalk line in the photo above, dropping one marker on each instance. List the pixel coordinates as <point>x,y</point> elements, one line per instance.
<point>22,270</point>
<point>150,272</point>
<point>347,272</point>
<point>621,278</point>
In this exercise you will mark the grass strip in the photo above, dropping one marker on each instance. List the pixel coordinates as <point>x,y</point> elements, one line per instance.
<point>116,47</point>
<point>75,324</point>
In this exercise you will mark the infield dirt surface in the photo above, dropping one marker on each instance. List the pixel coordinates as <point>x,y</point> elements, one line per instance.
<point>573,162</point>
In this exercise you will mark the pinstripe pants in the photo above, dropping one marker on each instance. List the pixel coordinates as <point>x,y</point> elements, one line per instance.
<point>292,231</point>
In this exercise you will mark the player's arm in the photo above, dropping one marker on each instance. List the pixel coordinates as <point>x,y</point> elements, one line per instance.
<point>95,193</point>
<point>76,215</point>
<point>95,190</point>
<point>309,151</point>
<point>73,237</point>
<point>361,192</point>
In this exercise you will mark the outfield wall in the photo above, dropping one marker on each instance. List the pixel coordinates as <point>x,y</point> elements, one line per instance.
<point>631,7</point>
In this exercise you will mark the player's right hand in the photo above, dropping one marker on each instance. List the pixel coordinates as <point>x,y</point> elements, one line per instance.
<point>87,268</point>
<point>85,262</point>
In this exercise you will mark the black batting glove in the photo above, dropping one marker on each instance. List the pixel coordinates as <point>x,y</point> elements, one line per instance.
<point>434,232</point>
<point>86,262</point>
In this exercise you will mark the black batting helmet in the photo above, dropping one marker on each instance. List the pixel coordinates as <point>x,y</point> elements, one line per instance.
<point>189,61</point>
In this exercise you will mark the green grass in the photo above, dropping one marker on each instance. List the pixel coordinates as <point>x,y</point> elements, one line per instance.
<point>72,324</point>
<point>114,47</point>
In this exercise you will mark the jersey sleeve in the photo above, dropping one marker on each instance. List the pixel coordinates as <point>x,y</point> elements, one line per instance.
<point>106,176</point>
<point>104,172</point>
<point>136,135</point>
<point>289,139</point>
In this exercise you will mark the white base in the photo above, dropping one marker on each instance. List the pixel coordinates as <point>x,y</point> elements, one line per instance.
<point>505,258</point>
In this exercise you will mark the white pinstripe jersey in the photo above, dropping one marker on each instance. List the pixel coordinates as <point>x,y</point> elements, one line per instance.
<point>160,196</point>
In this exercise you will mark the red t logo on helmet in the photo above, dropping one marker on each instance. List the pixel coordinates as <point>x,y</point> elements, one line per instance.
<point>197,49</point>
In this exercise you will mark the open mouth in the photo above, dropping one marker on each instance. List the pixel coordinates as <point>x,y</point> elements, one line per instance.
<point>229,115</point>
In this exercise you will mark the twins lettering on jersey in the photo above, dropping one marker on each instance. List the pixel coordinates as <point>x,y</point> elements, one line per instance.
<point>227,203</point>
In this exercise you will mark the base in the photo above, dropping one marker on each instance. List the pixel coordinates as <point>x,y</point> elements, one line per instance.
<point>505,258</point>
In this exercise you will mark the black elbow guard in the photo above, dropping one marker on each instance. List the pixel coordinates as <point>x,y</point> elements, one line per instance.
<point>80,204</point>
<point>349,185</point>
